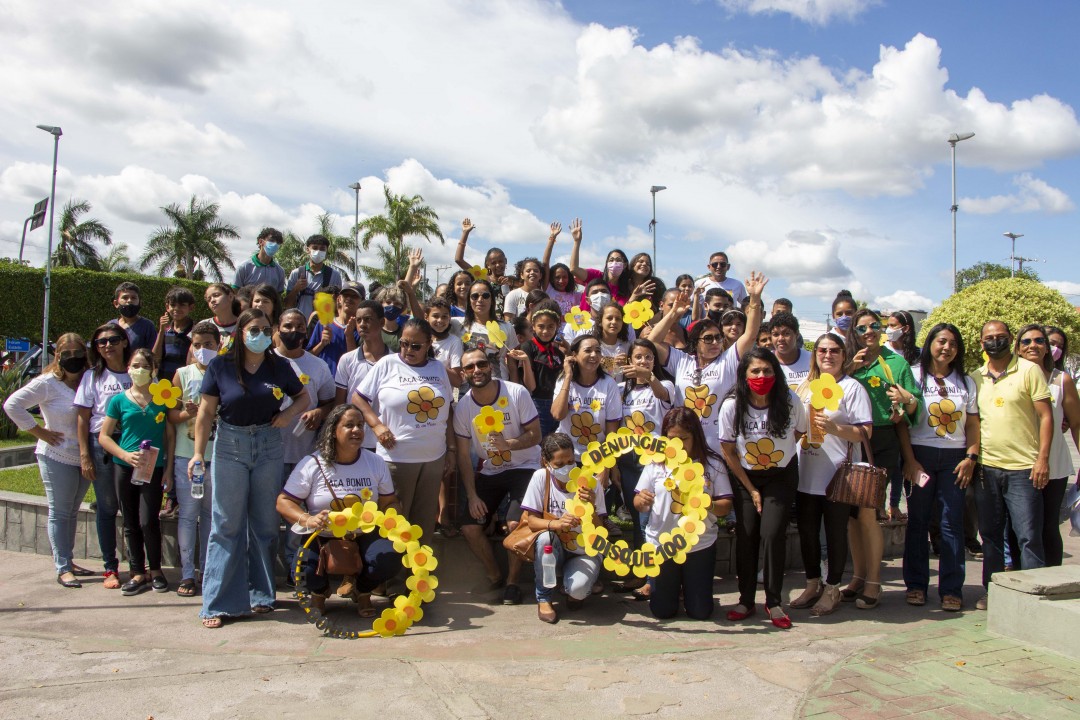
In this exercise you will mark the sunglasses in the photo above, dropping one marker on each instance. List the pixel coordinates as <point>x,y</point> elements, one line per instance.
<point>717,266</point>
<point>111,340</point>
<point>829,351</point>
<point>414,347</point>
<point>709,339</point>
<point>1037,340</point>
<point>863,329</point>
<point>480,296</point>
<point>478,365</point>
<point>267,331</point>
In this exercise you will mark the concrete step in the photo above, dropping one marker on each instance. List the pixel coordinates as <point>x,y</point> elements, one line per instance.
<point>1040,607</point>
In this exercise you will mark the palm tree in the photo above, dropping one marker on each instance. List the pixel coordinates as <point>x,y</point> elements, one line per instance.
<point>339,254</point>
<point>76,246</point>
<point>404,216</point>
<point>118,260</point>
<point>196,235</point>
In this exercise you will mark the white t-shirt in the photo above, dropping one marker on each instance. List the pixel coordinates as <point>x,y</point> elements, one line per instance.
<point>818,463</point>
<point>797,371</point>
<point>414,402</point>
<point>191,377</point>
<point>351,369</point>
<point>477,334</point>
<point>315,376</point>
<point>306,483</point>
<point>651,410</point>
<point>448,350</point>
<point>534,499</point>
<point>613,357</point>
<point>702,391</point>
<point>54,398</point>
<point>95,391</point>
<point>518,410</point>
<point>590,408</point>
<point>1061,464</point>
<point>758,450</point>
<point>514,303</point>
<point>948,414</point>
<point>661,519</point>
<point>733,287</point>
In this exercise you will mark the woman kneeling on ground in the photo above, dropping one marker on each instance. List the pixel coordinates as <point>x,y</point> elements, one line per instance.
<point>339,473</point>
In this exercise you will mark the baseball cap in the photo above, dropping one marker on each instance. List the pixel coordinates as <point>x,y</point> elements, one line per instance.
<point>353,287</point>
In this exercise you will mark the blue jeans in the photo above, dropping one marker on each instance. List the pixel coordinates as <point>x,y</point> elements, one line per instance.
<point>996,490</point>
<point>239,572</point>
<point>192,511</point>
<point>579,571</point>
<point>939,464</point>
<point>108,505</point>
<point>548,424</point>
<point>694,578</point>
<point>65,488</point>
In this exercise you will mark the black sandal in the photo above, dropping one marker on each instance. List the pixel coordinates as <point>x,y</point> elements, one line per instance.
<point>186,588</point>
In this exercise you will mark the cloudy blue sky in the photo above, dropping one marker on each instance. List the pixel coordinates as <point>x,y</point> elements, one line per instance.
<point>805,137</point>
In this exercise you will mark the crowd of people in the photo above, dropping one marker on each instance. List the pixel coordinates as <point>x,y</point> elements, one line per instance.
<point>274,411</point>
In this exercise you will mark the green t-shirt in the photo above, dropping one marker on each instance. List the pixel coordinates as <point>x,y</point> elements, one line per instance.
<point>876,380</point>
<point>137,424</point>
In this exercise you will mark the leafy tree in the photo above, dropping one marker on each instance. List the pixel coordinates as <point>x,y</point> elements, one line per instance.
<point>195,234</point>
<point>404,216</point>
<point>340,253</point>
<point>117,260</point>
<point>76,244</point>
<point>988,271</point>
<point>1016,301</point>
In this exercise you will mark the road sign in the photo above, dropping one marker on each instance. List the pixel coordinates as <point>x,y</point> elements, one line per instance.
<point>16,345</point>
<point>38,218</point>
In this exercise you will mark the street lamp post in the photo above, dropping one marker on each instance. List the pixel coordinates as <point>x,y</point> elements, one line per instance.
<point>652,224</point>
<point>438,271</point>
<point>953,139</point>
<point>1012,256</point>
<point>56,133</point>
<point>356,231</point>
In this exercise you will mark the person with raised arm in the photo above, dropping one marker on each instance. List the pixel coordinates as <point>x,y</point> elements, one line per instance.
<point>494,263</point>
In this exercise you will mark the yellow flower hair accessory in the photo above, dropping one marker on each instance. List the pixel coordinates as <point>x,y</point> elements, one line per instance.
<point>578,320</point>
<point>495,334</point>
<point>324,308</point>
<point>165,393</point>
<point>825,393</point>
<point>478,273</point>
<point>637,313</point>
<point>488,421</point>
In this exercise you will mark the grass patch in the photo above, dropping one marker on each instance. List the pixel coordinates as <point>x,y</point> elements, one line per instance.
<point>21,438</point>
<point>27,480</point>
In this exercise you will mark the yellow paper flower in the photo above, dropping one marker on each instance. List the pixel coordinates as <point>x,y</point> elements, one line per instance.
<point>424,404</point>
<point>343,522</point>
<point>487,421</point>
<point>391,522</point>
<point>700,400</point>
<point>615,564</point>
<point>165,393</point>
<point>696,505</point>
<point>874,381</point>
<point>159,418</point>
<point>391,622</point>
<point>688,474</point>
<point>478,273</point>
<point>369,514</point>
<point>304,379</point>
<point>403,535</point>
<point>653,570</point>
<point>423,585</point>
<point>579,477</point>
<point>637,313</point>
<point>466,337</point>
<point>825,393</point>
<point>366,494</point>
<point>503,402</point>
<point>276,391</point>
<point>674,453</point>
<point>324,308</point>
<point>762,455</point>
<point>638,424</point>
<point>589,535</point>
<point>680,555</point>
<point>409,606</point>
<point>584,428</point>
<point>605,462</point>
<point>943,417</point>
<point>692,527</point>
<point>578,320</point>
<point>595,404</point>
<point>999,402</point>
<point>495,333</point>
<point>418,557</point>
<point>578,509</point>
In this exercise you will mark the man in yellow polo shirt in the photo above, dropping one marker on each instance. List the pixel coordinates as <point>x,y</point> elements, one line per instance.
<point>1017,425</point>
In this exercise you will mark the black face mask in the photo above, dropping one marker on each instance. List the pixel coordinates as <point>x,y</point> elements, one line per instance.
<point>291,339</point>
<point>130,311</point>
<point>715,315</point>
<point>997,347</point>
<point>74,364</point>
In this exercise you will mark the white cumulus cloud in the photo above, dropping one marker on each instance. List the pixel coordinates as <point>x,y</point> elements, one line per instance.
<point>818,12</point>
<point>1032,195</point>
<point>903,300</point>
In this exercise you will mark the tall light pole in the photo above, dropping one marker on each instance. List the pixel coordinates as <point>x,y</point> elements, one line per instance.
<point>1012,256</point>
<point>953,139</point>
<point>56,133</point>
<point>438,271</point>
<point>356,231</point>
<point>652,224</point>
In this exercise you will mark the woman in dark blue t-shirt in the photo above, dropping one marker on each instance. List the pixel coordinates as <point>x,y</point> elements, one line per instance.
<point>245,389</point>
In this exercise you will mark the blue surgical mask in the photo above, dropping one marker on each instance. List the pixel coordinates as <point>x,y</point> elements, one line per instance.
<point>844,322</point>
<point>271,248</point>
<point>257,342</point>
<point>391,312</point>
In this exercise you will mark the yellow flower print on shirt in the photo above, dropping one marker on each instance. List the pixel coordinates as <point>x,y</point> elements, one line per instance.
<point>999,402</point>
<point>160,418</point>
<point>595,405</point>
<point>874,381</point>
<point>424,404</point>
<point>700,400</point>
<point>276,391</point>
<point>584,428</point>
<point>497,457</point>
<point>503,402</point>
<point>638,424</point>
<point>762,455</point>
<point>304,379</point>
<point>943,417</point>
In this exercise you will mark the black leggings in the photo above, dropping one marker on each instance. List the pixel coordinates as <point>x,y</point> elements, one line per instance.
<point>140,505</point>
<point>810,511</point>
<point>777,488</point>
<point>693,580</point>
<point>1053,495</point>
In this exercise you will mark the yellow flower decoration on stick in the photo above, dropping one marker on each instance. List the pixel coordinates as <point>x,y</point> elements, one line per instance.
<point>580,477</point>
<point>943,417</point>
<point>424,404</point>
<point>495,333</point>
<point>578,509</point>
<point>391,622</point>
<point>762,455</point>
<point>825,393</point>
<point>324,308</point>
<point>637,313</point>
<point>578,320</point>
<point>423,585</point>
<point>163,392</point>
<point>488,421</point>
<point>478,273</point>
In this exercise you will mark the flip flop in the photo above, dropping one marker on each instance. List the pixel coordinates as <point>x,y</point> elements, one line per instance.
<point>186,588</point>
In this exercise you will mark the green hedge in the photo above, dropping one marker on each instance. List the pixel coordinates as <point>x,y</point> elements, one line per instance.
<point>81,299</point>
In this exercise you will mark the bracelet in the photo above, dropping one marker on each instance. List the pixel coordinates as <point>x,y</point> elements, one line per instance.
<point>549,526</point>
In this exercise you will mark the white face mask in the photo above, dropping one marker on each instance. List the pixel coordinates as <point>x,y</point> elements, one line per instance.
<point>599,300</point>
<point>203,356</point>
<point>562,474</point>
<point>894,334</point>
<point>317,256</point>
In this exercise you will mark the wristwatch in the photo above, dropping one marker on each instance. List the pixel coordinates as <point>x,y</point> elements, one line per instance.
<point>974,457</point>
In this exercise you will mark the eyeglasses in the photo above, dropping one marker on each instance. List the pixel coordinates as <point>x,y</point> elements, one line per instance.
<point>863,329</point>
<point>1037,340</point>
<point>267,331</point>
<point>415,347</point>
<point>942,391</point>
<point>478,365</point>
<point>829,351</point>
<point>480,296</point>
<point>709,339</point>
<point>717,266</point>
<point>111,340</point>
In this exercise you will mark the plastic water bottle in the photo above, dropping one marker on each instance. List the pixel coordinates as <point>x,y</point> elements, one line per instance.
<point>548,562</point>
<point>198,478</point>
<point>144,471</point>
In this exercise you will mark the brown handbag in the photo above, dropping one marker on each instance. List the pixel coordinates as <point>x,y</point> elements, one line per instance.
<point>338,556</point>
<point>859,484</point>
<point>522,541</point>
